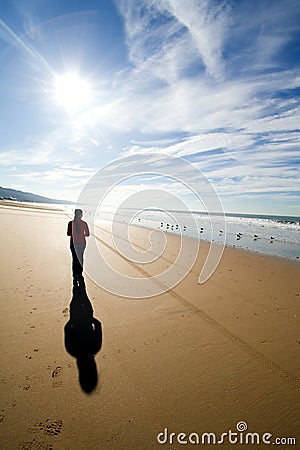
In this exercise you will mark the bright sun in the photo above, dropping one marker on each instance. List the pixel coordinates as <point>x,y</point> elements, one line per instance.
<point>72,92</point>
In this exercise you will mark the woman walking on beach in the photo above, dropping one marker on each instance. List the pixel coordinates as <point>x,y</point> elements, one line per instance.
<point>78,230</point>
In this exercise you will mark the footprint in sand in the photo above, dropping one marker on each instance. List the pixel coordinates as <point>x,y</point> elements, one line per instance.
<point>54,428</point>
<point>56,371</point>
<point>47,427</point>
<point>36,427</point>
<point>36,445</point>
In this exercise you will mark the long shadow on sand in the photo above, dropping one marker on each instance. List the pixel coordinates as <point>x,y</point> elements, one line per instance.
<point>83,336</point>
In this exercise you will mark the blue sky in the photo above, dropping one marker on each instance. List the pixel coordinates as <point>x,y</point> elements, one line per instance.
<point>214,82</point>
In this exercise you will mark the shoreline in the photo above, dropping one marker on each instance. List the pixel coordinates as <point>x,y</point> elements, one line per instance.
<point>30,205</point>
<point>256,252</point>
<point>40,207</point>
<point>206,242</point>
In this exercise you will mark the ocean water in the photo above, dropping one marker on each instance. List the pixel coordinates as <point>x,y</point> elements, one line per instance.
<point>272,235</point>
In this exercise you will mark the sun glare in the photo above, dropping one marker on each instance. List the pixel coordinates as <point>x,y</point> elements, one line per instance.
<point>72,92</point>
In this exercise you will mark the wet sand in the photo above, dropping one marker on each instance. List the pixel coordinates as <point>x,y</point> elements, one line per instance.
<point>195,359</point>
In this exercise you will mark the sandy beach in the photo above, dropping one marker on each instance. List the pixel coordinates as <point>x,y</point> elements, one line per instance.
<point>195,359</point>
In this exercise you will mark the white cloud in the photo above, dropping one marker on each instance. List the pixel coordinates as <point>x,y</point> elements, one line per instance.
<point>30,155</point>
<point>207,22</point>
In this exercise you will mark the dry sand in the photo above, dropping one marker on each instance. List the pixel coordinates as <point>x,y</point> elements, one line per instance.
<point>198,358</point>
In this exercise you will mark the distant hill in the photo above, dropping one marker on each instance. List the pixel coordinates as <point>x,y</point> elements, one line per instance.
<point>13,194</point>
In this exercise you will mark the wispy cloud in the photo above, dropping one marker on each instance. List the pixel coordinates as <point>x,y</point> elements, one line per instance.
<point>238,109</point>
<point>21,43</point>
